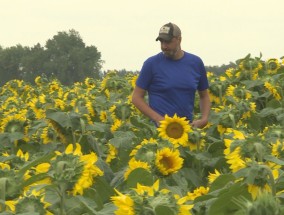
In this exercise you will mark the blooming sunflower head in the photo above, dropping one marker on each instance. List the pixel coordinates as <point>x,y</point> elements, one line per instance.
<point>175,129</point>
<point>273,65</point>
<point>168,161</point>
<point>90,82</point>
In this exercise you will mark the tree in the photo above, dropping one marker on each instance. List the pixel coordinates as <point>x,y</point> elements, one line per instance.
<point>33,63</point>
<point>65,57</point>
<point>11,64</point>
<point>69,59</point>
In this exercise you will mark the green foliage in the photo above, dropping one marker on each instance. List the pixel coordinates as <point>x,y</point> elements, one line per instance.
<point>65,57</point>
<point>56,140</point>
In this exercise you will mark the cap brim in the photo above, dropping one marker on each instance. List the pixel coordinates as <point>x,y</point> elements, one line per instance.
<point>163,37</point>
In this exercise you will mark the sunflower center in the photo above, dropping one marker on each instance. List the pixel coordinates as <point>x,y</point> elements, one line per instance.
<point>174,130</point>
<point>167,162</point>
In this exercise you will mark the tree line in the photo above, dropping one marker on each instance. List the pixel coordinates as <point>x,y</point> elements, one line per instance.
<point>65,57</point>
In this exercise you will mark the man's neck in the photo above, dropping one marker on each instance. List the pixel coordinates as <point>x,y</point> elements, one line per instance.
<point>179,54</point>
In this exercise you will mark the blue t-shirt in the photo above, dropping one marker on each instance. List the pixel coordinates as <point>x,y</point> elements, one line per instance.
<point>172,84</point>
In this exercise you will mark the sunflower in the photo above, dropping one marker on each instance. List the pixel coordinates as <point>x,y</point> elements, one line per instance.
<point>47,134</point>
<point>135,164</point>
<point>272,90</point>
<point>168,161</point>
<point>90,171</point>
<point>133,81</point>
<point>37,107</point>
<point>273,65</point>
<point>14,123</point>
<point>256,190</point>
<point>90,82</point>
<point>213,176</point>
<point>175,129</point>
<point>124,203</point>
<point>103,116</point>
<point>235,160</point>
<point>277,148</point>
<point>147,190</point>
<point>89,105</point>
<point>116,125</point>
<point>200,191</point>
<point>112,153</point>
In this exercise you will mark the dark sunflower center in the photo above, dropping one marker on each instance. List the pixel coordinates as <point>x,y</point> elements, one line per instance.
<point>167,162</point>
<point>174,130</point>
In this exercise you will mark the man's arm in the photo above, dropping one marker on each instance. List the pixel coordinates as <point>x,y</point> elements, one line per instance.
<point>205,106</point>
<point>138,99</point>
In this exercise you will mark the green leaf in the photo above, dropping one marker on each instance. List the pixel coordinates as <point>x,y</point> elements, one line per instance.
<point>274,159</point>
<point>97,126</point>
<point>225,203</point>
<point>88,204</point>
<point>6,213</point>
<point>61,118</point>
<point>4,139</point>
<point>43,159</point>
<point>108,209</point>
<point>118,179</point>
<point>221,182</point>
<point>140,176</point>
<point>100,193</point>
<point>34,179</point>
<point>164,210</point>
<point>28,213</point>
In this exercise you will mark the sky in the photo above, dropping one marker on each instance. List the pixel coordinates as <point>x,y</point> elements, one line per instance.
<point>124,31</point>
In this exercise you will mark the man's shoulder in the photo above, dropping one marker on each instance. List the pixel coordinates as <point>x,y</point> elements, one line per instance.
<point>192,56</point>
<point>154,58</point>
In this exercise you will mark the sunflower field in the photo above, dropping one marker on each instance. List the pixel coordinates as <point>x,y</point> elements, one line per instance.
<point>85,149</point>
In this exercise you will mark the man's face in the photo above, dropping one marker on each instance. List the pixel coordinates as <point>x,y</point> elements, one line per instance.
<point>170,48</point>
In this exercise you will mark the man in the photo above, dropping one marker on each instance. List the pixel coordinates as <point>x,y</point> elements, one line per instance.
<point>171,79</point>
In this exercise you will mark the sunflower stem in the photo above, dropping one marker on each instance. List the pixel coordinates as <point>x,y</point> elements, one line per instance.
<point>61,193</point>
<point>3,183</point>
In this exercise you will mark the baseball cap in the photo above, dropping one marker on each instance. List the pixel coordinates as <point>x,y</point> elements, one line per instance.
<point>168,31</point>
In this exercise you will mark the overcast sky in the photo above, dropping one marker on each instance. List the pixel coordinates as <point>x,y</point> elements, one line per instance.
<point>124,31</point>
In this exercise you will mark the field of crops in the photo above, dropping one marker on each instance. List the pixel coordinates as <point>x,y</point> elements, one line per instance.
<point>85,149</point>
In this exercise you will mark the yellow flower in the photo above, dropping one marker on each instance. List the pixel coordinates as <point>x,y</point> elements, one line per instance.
<point>235,161</point>
<point>221,129</point>
<point>252,106</point>
<point>47,134</point>
<point>147,190</point>
<point>24,156</point>
<point>272,90</point>
<point>197,192</point>
<point>117,123</point>
<point>175,129</point>
<point>90,107</point>
<point>112,152</point>
<point>212,176</point>
<point>4,166</point>
<point>277,148</point>
<point>273,66</point>
<point>89,82</point>
<point>103,116</point>
<point>168,161</point>
<point>42,168</point>
<point>255,190</point>
<point>11,205</point>
<point>135,164</point>
<point>77,151</point>
<point>230,90</point>
<point>124,203</point>
<point>89,172</point>
<point>229,72</point>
